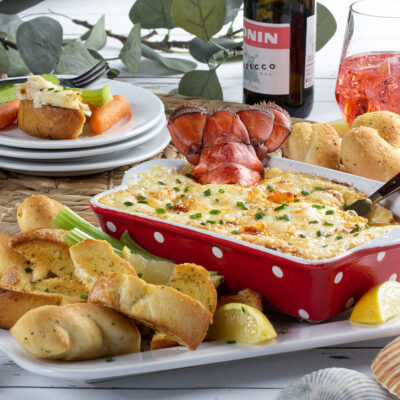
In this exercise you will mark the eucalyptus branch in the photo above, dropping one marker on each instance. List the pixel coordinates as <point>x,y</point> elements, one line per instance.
<point>8,43</point>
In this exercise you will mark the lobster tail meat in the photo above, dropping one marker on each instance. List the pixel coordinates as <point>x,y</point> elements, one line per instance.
<point>228,147</point>
<point>186,126</point>
<point>231,173</point>
<point>223,127</point>
<point>225,153</point>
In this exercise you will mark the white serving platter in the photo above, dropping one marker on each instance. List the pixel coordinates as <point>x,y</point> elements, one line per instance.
<point>89,165</point>
<point>147,112</point>
<point>299,336</point>
<point>63,155</point>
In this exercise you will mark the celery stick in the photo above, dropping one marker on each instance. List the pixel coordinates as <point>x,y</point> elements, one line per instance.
<point>67,219</point>
<point>7,93</point>
<point>97,97</point>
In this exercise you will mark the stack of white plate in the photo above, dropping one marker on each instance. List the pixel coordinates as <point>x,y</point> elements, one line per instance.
<point>134,138</point>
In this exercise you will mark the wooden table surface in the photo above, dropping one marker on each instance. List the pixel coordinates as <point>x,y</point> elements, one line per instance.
<point>259,378</point>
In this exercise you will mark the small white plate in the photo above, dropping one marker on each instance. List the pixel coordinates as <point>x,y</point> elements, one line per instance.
<point>147,111</point>
<point>299,336</point>
<point>89,165</point>
<point>62,155</point>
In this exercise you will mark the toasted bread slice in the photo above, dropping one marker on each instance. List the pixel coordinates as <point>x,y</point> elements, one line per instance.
<point>75,289</point>
<point>160,307</point>
<point>8,256</point>
<point>14,302</point>
<point>17,278</point>
<point>194,281</point>
<point>93,257</point>
<point>47,252</point>
<point>37,212</point>
<point>76,332</point>
<point>50,122</point>
<point>245,296</point>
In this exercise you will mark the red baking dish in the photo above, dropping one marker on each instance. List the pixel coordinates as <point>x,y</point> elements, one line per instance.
<point>315,290</point>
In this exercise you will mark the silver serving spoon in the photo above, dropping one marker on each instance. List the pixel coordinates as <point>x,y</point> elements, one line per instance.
<point>364,206</point>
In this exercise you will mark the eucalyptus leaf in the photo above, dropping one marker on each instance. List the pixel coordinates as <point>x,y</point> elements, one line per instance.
<point>148,67</point>
<point>4,61</point>
<point>326,26</point>
<point>201,84</point>
<point>152,14</point>
<point>232,9</point>
<point>17,64</point>
<point>97,37</point>
<point>9,23</point>
<point>16,6</point>
<point>204,51</point>
<point>202,18</point>
<point>39,41</point>
<point>131,51</point>
<point>75,59</point>
<point>113,73</point>
<point>175,64</point>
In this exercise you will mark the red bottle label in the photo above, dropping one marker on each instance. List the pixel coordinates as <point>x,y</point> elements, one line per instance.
<point>266,57</point>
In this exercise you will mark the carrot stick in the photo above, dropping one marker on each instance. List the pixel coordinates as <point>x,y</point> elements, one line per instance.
<point>106,116</point>
<point>8,113</point>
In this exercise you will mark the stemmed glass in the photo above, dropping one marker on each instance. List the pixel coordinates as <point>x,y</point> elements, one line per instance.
<point>369,72</point>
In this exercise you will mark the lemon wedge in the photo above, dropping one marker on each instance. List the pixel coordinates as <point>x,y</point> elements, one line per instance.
<point>239,322</point>
<point>379,304</point>
<point>339,125</point>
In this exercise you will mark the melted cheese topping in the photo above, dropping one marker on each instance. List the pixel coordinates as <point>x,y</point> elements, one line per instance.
<point>290,212</point>
<point>42,93</point>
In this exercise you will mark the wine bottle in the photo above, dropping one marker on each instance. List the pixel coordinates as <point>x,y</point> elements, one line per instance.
<point>278,53</point>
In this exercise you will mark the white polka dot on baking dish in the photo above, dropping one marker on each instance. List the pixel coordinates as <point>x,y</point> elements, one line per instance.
<point>381,256</point>
<point>338,277</point>
<point>159,237</point>
<point>350,302</point>
<point>393,277</point>
<point>277,271</point>
<point>217,252</point>
<point>303,314</point>
<point>111,226</point>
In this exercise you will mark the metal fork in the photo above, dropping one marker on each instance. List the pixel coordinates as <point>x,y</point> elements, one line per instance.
<point>80,81</point>
<point>364,206</point>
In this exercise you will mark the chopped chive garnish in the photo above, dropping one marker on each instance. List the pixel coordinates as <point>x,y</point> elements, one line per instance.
<point>367,226</point>
<point>338,237</point>
<point>239,203</point>
<point>243,309</point>
<point>128,203</point>
<point>302,235</point>
<point>207,192</point>
<point>139,275</point>
<point>109,359</point>
<point>231,341</point>
<point>329,212</point>
<point>236,232</point>
<point>327,223</point>
<point>325,245</point>
<point>313,222</point>
<point>168,205</point>
<point>260,215</point>
<point>203,223</point>
<point>217,200</point>
<point>176,189</point>
<point>319,234</point>
<point>284,330</point>
<point>356,228</point>
<point>286,217</point>
<point>46,290</point>
<point>28,270</point>
<point>84,296</point>
<point>281,207</point>
<point>284,203</point>
<point>296,201</point>
<point>177,201</point>
<point>319,188</point>
<point>214,212</point>
<point>221,190</point>
<point>210,221</point>
<point>345,206</point>
<point>186,189</point>
<point>178,181</point>
<point>270,188</point>
<point>318,206</point>
<point>356,234</point>
<point>195,216</point>
<point>305,193</point>
<point>161,183</point>
<point>160,210</point>
<point>188,175</point>
<point>222,222</point>
<point>142,198</point>
<point>142,201</point>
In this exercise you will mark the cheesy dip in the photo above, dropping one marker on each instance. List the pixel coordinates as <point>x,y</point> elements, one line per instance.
<point>294,213</point>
